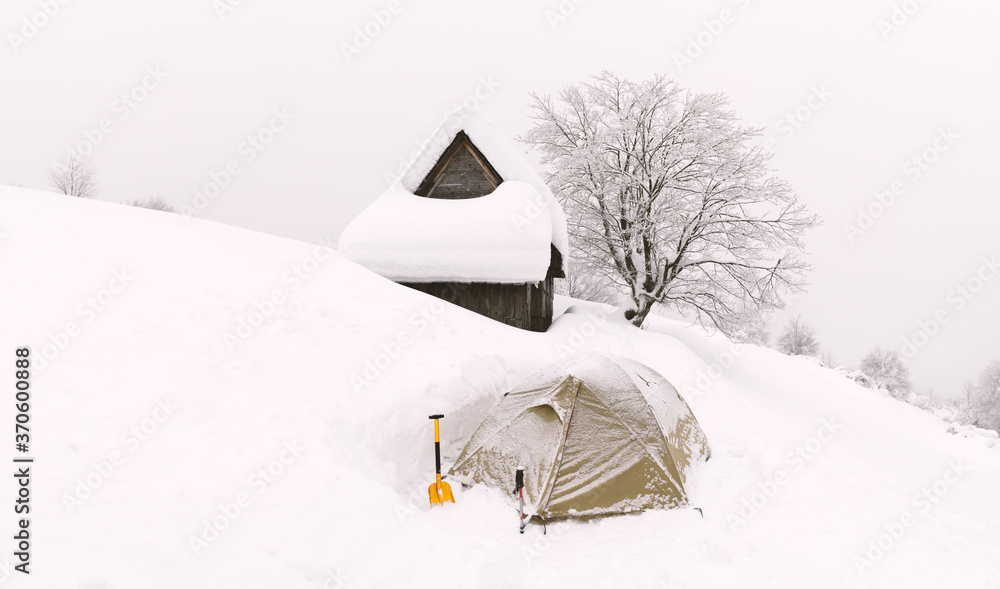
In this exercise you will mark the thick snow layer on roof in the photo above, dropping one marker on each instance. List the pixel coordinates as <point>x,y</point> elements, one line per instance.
<point>500,150</point>
<point>504,236</point>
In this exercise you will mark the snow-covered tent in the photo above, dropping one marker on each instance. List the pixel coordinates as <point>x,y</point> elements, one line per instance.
<point>469,221</point>
<point>596,435</point>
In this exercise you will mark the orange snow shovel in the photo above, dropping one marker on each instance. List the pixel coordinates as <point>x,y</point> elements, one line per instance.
<point>439,490</point>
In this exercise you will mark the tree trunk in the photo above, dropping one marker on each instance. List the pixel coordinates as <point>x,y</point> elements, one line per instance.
<point>642,308</point>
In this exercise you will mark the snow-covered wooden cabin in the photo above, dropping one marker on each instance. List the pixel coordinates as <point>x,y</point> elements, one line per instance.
<point>470,222</point>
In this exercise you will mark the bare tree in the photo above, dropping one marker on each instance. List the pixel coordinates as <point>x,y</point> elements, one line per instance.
<point>989,378</point>
<point>753,328</point>
<point>798,339</point>
<point>886,368</point>
<point>583,283</point>
<point>76,178</point>
<point>666,195</point>
<point>155,202</point>
<point>969,389</point>
<point>984,398</point>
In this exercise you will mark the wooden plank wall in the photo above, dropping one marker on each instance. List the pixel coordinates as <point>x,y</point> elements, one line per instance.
<point>462,177</point>
<point>525,306</point>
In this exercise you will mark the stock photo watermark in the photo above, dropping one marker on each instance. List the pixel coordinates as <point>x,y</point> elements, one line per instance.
<point>247,150</point>
<point>796,460</point>
<point>133,439</point>
<point>562,12</point>
<point>121,108</point>
<point>958,297</point>
<point>88,310</point>
<point>789,124</point>
<point>541,544</point>
<point>896,529</point>
<point>223,8</point>
<point>580,335</point>
<point>671,583</point>
<point>898,17</point>
<point>335,579</point>
<point>388,351</point>
<point>712,29</point>
<point>366,33</point>
<point>486,86</point>
<point>31,26</point>
<point>264,309</point>
<point>708,376</point>
<point>259,481</point>
<point>913,170</point>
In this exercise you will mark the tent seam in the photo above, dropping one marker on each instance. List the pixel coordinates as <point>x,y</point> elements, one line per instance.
<point>507,425</point>
<point>663,469</point>
<point>542,502</point>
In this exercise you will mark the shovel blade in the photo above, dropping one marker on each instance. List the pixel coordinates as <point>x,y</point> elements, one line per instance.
<point>446,492</point>
<point>440,492</point>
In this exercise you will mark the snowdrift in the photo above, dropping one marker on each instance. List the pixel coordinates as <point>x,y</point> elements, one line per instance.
<point>214,407</point>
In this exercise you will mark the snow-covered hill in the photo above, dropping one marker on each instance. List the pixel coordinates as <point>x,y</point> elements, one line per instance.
<point>214,407</point>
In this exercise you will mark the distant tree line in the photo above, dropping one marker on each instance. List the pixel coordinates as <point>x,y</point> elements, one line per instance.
<point>982,402</point>
<point>78,177</point>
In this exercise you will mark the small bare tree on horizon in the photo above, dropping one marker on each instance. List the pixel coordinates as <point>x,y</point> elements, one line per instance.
<point>798,339</point>
<point>667,195</point>
<point>155,202</point>
<point>77,177</point>
<point>886,368</point>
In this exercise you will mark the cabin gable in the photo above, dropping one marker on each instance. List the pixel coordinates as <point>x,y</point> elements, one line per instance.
<point>461,172</point>
<point>478,254</point>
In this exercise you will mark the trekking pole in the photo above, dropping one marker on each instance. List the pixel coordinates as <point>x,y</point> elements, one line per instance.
<point>519,491</point>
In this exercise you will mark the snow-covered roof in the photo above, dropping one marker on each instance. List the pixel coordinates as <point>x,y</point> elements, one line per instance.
<point>505,236</point>
<point>409,238</point>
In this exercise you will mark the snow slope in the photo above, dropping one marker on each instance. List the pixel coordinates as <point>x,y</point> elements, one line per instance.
<point>269,399</point>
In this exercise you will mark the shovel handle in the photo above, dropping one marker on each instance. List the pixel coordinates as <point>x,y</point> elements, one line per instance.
<point>437,444</point>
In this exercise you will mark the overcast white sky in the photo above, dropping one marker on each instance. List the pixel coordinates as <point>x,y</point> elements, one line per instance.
<point>879,102</point>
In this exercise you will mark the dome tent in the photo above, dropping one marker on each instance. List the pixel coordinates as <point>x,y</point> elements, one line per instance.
<point>597,435</point>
